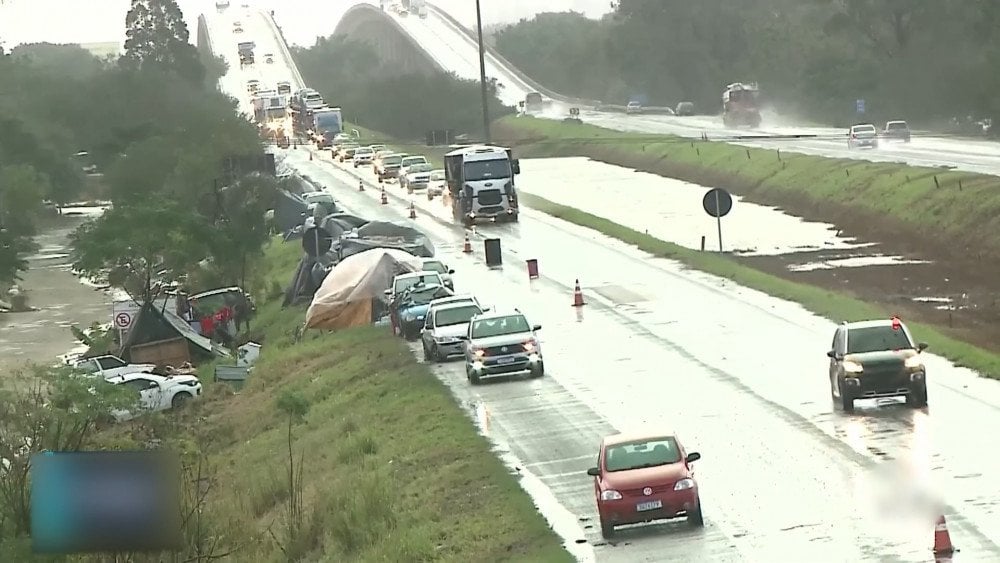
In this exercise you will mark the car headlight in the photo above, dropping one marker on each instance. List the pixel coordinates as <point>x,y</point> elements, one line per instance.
<point>610,494</point>
<point>852,367</point>
<point>445,339</point>
<point>914,362</point>
<point>530,346</point>
<point>684,484</point>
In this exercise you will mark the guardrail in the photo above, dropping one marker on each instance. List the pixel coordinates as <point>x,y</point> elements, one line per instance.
<point>279,36</point>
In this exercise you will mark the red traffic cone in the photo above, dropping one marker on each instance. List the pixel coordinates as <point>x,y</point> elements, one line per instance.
<point>413,211</point>
<point>578,296</point>
<point>942,539</point>
<point>467,247</point>
<point>385,197</point>
<point>361,185</point>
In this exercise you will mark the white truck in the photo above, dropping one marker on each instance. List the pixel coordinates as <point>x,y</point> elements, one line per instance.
<point>109,366</point>
<point>481,183</point>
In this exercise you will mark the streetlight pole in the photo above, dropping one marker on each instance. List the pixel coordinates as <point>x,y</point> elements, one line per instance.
<point>482,73</point>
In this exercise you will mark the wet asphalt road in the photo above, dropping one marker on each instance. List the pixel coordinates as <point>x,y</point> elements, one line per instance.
<point>740,376</point>
<point>458,53</point>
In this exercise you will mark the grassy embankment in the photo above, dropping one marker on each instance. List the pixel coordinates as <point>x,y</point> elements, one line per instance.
<point>869,187</point>
<point>393,470</point>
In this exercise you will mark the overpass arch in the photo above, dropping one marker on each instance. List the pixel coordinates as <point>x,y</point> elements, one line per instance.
<point>368,23</point>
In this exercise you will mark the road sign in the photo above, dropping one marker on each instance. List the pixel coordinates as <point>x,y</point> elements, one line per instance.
<point>717,202</point>
<point>123,320</point>
<point>860,105</point>
<point>574,111</point>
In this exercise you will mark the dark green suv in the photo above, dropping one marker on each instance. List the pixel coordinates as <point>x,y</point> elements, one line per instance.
<point>874,359</point>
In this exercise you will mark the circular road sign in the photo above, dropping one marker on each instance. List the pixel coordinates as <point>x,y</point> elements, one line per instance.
<point>123,320</point>
<point>725,202</point>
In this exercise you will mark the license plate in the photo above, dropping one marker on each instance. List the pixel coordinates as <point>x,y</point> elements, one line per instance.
<point>505,360</point>
<point>651,505</point>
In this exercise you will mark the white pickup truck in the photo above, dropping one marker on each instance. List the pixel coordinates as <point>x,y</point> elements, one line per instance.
<point>110,366</point>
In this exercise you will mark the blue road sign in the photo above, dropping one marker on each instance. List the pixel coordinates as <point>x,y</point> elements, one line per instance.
<point>860,104</point>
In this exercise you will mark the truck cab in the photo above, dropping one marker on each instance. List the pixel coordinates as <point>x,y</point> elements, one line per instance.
<point>481,182</point>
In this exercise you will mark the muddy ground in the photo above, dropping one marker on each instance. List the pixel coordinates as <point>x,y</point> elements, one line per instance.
<point>41,336</point>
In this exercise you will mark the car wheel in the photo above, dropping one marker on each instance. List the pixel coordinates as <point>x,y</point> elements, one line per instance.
<point>846,401</point>
<point>695,517</point>
<point>917,398</point>
<point>539,371</point>
<point>180,400</point>
<point>427,354</point>
<point>473,378</point>
<point>607,530</point>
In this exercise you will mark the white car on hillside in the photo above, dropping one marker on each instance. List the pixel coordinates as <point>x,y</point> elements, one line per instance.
<point>157,392</point>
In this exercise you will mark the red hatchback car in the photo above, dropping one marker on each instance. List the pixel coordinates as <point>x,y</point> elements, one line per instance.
<point>642,478</point>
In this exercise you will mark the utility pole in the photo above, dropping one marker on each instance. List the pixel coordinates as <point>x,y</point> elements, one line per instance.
<point>482,73</point>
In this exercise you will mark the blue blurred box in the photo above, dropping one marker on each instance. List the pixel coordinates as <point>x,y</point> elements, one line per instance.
<point>105,501</point>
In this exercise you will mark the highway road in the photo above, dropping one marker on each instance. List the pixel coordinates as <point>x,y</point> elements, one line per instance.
<point>741,376</point>
<point>458,53</point>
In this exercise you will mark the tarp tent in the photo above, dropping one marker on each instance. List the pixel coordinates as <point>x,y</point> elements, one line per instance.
<point>349,292</point>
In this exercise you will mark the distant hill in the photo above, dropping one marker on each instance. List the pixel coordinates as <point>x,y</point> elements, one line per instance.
<point>102,50</point>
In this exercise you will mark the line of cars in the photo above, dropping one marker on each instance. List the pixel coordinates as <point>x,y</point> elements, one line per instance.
<point>866,135</point>
<point>412,171</point>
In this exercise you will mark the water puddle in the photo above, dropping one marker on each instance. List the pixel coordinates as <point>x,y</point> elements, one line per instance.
<point>854,262</point>
<point>671,210</point>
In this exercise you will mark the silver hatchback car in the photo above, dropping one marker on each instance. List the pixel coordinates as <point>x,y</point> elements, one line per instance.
<point>501,344</point>
<point>444,328</point>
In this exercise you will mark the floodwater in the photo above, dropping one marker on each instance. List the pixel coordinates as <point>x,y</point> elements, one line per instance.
<point>43,336</point>
<point>854,262</point>
<point>671,210</point>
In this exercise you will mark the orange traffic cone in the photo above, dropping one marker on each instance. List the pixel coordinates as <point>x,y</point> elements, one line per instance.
<point>578,296</point>
<point>942,539</point>
<point>413,211</point>
<point>385,197</point>
<point>361,185</point>
<point>467,247</point>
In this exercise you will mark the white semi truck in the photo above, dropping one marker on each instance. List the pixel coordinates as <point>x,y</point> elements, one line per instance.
<point>480,181</point>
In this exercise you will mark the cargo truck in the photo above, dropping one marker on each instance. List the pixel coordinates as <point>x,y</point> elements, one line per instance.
<point>741,105</point>
<point>480,182</point>
<point>326,124</point>
<point>246,53</point>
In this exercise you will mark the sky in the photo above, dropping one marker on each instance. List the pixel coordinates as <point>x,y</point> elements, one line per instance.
<point>99,21</point>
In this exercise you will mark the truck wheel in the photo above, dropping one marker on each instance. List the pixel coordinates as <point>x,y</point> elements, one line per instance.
<point>917,398</point>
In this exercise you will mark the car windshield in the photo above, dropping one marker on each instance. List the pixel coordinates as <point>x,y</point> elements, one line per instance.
<point>437,175</point>
<point>896,125</point>
<point>424,295</point>
<point>403,284</point>
<point>391,160</point>
<point>435,266</point>
<point>423,167</point>
<point>487,170</point>
<point>877,339</point>
<point>865,129</point>
<point>642,453</point>
<point>413,160</point>
<point>363,151</point>
<point>499,326</point>
<point>455,315</point>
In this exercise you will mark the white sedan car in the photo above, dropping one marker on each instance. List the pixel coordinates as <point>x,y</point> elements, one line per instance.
<point>157,392</point>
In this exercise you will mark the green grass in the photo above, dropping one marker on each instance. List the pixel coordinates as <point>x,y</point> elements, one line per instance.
<point>832,305</point>
<point>393,469</point>
<point>897,194</point>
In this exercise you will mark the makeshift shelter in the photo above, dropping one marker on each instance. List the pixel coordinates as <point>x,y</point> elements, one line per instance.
<point>354,290</point>
<point>158,336</point>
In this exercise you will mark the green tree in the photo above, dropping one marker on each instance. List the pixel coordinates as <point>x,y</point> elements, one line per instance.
<point>240,227</point>
<point>135,245</point>
<point>21,187</point>
<point>157,37</point>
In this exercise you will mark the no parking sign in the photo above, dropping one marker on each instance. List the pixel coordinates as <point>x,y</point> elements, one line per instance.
<point>123,320</point>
